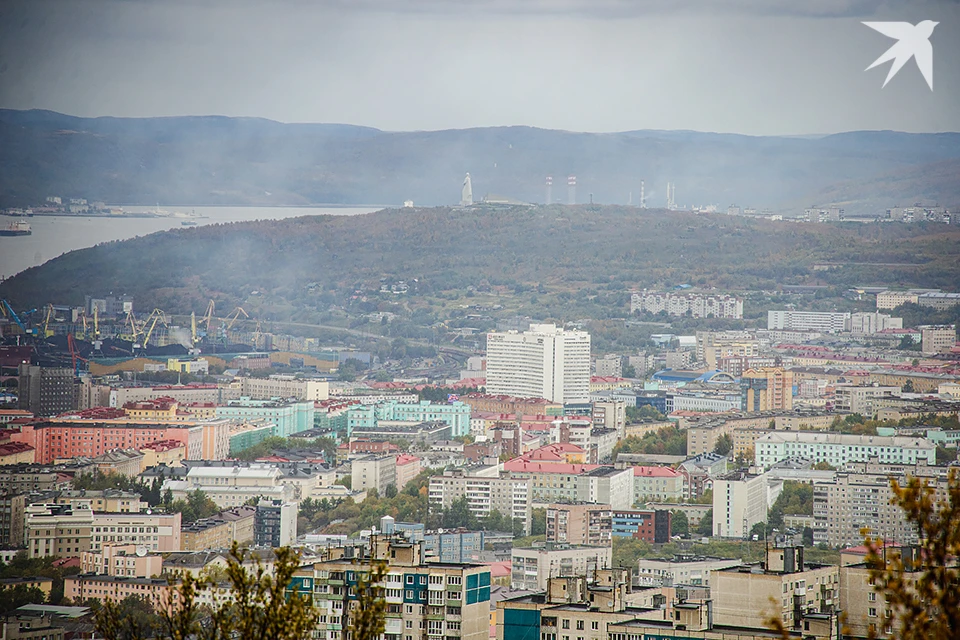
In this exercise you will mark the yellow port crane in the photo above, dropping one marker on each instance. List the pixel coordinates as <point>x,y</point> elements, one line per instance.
<point>152,319</point>
<point>46,322</point>
<point>96,324</point>
<point>236,314</point>
<point>193,328</point>
<point>208,316</point>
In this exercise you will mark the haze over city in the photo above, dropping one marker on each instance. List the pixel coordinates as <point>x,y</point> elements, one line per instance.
<point>479,320</point>
<point>753,67</point>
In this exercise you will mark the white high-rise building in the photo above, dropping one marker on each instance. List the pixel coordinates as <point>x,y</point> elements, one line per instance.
<point>544,362</point>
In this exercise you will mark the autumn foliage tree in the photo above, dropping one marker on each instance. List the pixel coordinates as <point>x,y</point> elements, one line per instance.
<point>260,605</point>
<point>922,591</point>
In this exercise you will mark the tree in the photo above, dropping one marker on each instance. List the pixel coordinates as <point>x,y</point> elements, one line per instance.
<point>390,491</point>
<point>629,371</point>
<point>196,507</point>
<point>666,441</point>
<point>705,528</point>
<point>132,618</point>
<point>824,466</point>
<point>908,386</point>
<point>628,550</point>
<point>367,615</point>
<point>679,524</point>
<point>922,592</point>
<point>724,445</point>
<point>16,597</point>
<point>346,481</point>
<point>264,605</point>
<point>538,522</point>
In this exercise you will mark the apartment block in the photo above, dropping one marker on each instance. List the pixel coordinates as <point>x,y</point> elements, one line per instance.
<point>282,386</point>
<point>72,438</point>
<point>232,486</point>
<point>289,416</point>
<point>937,338</point>
<point>532,567</point>
<point>128,560</point>
<point>861,399</point>
<point>408,467</point>
<point>696,305</point>
<point>452,546</point>
<point>822,321</point>
<point>12,508</point>
<point>45,391</point>
<point>741,500</point>
<point>448,601</point>
<point>544,362</point>
<point>653,526</point>
<point>275,523</point>
<point>798,589</point>
<point>839,449</point>
<point>860,498</point>
<point>508,495</point>
<point>873,322</point>
<point>579,524</point>
<point>681,570</point>
<point>557,481</point>
<point>158,591</point>
<point>610,414</point>
<point>656,483</point>
<point>768,389</point>
<point>219,531</point>
<point>489,403</point>
<point>374,472</point>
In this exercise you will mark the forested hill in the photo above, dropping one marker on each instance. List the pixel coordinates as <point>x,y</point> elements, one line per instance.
<point>219,160</point>
<point>299,265</point>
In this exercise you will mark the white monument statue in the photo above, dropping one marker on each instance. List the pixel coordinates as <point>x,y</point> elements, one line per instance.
<point>466,196</point>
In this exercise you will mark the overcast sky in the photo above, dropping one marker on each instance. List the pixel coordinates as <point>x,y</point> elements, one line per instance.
<point>747,66</point>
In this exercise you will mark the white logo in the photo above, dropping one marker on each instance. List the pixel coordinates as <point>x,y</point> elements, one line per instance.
<point>912,42</point>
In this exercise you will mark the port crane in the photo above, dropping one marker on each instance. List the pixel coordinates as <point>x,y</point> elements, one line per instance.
<point>75,354</point>
<point>156,316</point>
<point>10,313</point>
<point>208,316</point>
<point>46,321</point>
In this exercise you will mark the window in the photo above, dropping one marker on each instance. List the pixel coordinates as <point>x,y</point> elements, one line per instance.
<point>872,612</point>
<point>565,624</point>
<point>594,625</point>
<point>579,625</point>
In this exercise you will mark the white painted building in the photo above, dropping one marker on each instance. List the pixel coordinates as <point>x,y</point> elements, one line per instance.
<point>823,321</point>
<point>544,362</point>
<point>838,449</point>
<point>741,500</point>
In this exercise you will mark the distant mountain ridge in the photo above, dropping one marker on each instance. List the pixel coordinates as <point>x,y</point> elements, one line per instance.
<point>223,160</point>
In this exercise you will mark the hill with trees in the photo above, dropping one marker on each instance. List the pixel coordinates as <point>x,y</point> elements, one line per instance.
<point>220,160</point>
<point>295,269</point>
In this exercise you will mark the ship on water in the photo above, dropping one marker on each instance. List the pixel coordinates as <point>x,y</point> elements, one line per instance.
<point>17,228</point>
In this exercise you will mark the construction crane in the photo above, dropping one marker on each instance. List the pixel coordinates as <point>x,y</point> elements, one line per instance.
<point>96,323</point>
<point>193,329</point>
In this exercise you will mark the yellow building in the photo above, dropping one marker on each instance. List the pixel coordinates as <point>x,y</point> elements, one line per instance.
<point>44,584</point>
<point>164,409</point>
<point>16,453</point>
<point>191,365</point>
<point>167,452</point>
<point>766,389</point>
